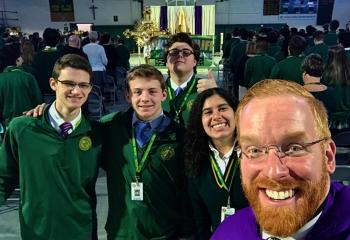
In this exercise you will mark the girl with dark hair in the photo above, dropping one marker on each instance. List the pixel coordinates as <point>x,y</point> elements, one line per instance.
<point>211,162</point>
<point>337,76</point>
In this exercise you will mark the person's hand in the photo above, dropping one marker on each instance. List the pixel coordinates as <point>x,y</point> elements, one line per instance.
<point>36,112</point>
<point>204,84</point>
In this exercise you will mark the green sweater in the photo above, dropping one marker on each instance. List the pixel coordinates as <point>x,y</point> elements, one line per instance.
<point>19,91</point>
<point>173,104</point>
<point>258,68</point>
<point>321,49</point>
<point>207,197</point>
<point>43,64</point>
<point>56,176</point>
<point>289,69</point>
<point>163,213</point>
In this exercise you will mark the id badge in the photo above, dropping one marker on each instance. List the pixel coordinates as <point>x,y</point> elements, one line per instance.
<point>226,212</point>
<point>137,191</point>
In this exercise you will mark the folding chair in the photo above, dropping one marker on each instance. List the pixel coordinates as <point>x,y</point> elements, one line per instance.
<point>94,104</point>
<point>342,174</point>
<point>342,141</point>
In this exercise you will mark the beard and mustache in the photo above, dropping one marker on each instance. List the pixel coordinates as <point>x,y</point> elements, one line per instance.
<point>286,220</point>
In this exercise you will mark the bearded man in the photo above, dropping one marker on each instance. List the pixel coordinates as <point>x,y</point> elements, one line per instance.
<point>287,156</point>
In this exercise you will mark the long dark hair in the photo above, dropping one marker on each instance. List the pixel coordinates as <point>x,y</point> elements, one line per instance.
<point>337,70</point>
<point>196,140</point>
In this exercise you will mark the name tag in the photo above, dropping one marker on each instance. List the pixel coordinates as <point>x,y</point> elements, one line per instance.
<point>226,212</point>
<point>137,191</point>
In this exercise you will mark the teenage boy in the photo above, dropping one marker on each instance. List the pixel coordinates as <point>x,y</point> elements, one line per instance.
<point>143,160</point>
<point>182,56</point>
<point>53,159</point>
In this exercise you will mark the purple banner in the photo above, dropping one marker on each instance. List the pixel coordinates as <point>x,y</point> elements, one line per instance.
<point>198,20</point>
<point>163,18</point>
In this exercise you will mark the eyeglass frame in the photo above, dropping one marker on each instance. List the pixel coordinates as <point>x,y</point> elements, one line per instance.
<point>178,51</point>
<point>71,84</point>
<point>279,152</point>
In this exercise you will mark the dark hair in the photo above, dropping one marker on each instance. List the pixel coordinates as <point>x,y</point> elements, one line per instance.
<point>105,38</point>
<point>146,71</point>
<point>243,33</point>
<point>318,35</point>
<point>337,70</point>
<point>272,37</point>
<point>261,45</point>
<point>334,25</point>
<point>71,60</point>
<point>196,140</point>
<point>51,37</point>
<point>296,45</point>
<point>27,52</point>
<point>313,65</point>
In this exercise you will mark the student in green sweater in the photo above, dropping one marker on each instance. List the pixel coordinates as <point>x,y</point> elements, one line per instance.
<point>211,161</point>
<point>320,47</point>
<point>289,68</point>
<point>259,67</point>
<point>182,85</point>
<point>142,155</point>
<point>54,160</point>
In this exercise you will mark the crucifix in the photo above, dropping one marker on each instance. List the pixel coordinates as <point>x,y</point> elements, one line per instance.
<point>93,8</point>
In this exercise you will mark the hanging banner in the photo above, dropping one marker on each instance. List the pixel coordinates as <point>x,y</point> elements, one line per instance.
<point>62,10</point>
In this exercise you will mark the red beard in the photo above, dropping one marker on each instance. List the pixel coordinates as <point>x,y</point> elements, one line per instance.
<point>287,220</point>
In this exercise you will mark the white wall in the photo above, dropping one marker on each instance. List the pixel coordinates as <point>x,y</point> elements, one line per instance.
<point>34,15</point>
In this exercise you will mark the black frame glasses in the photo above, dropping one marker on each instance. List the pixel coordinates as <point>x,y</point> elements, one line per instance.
<point>71,84</point>
<point>176,52</point>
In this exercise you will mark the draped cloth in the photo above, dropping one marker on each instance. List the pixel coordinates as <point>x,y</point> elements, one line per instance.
<point>208,20</point>
<point>155,15</point>
<point>183,15</point>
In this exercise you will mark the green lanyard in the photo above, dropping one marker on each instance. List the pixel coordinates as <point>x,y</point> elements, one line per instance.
<point>178,111</point>
<point>138,165</point>
<point>219,176</point>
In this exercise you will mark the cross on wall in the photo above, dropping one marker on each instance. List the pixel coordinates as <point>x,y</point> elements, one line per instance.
<point>93,9</point>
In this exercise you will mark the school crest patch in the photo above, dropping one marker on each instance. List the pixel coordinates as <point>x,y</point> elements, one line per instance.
<point>166,152</point>
<point>85,143</point>
<point>189,104</point>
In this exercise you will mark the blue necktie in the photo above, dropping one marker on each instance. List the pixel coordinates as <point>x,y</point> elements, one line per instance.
<point>178,91</point>
<point>65,129</point>
<point>144,133</point>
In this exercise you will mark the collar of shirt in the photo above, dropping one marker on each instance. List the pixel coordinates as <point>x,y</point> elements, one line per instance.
<point>301,233</point>
<point>174,86</point>
<point>56,120</point>
<point>155,122</point>
<point>347,49</point>
<point>221,161</point>
<point>49,48</point>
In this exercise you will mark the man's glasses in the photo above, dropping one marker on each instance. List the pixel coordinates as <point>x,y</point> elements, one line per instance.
<point>71,85</point>
<point>175,52</point>
<point>259,153</point>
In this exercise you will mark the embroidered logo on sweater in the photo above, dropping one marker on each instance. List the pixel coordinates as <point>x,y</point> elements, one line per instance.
<point>85,143</point>
<point>189,104</point>
<point>166,152</point>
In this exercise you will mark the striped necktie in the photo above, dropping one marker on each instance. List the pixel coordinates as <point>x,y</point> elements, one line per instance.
<point>66,129</point>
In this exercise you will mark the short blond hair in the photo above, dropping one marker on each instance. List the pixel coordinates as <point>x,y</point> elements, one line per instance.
<point>274,87</point>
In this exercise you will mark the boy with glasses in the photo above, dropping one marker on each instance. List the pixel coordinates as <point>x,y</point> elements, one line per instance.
<point>287,157</point>
<point>54,160</point>
<point>143,161</point>
<point>182,56</point>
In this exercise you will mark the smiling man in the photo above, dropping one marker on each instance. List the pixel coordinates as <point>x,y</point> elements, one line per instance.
<point>54,160</point>
<point>143,159</point>
<point>287,156</point>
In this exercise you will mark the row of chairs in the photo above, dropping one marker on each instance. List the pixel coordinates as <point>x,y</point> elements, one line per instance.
<point>342,171</point>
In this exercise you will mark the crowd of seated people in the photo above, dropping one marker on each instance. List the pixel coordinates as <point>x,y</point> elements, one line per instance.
<point>285,57</point>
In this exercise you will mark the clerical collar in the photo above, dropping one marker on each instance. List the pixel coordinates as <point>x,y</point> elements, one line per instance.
<point>300,234</point>
<point>174,86</point>
<point>56,120</point>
